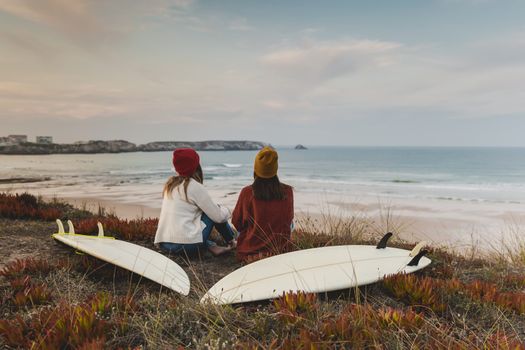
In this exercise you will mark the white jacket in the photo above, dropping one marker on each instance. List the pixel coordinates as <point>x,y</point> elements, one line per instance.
<point>180,219</point>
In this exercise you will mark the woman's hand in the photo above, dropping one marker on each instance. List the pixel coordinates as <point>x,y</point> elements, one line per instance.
<point>232,244</point>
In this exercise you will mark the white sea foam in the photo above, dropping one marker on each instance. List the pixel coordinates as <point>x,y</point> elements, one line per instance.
<point>141,171</point>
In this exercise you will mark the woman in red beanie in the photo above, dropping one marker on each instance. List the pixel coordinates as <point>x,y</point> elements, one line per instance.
<point>188,214</point>
<point>264,211</point>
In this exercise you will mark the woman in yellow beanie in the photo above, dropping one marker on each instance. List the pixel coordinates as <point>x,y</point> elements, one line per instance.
<point>264,211</point>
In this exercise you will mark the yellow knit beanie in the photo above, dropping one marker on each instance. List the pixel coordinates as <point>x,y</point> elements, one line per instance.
<point>266,163</point>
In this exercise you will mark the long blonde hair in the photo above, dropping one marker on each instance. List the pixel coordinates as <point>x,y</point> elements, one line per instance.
<point>174,181</point>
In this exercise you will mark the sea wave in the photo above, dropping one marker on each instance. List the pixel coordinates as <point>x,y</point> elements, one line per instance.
<point>233,178</point>
<point>222,166</point>
<point>445,190</point>
<point>477,187</point>
<point>146,172</point>
<point>329,181</point>
<point>403,181</point>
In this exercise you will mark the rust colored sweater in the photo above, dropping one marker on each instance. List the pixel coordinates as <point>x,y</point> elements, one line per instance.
<point>264,226</point>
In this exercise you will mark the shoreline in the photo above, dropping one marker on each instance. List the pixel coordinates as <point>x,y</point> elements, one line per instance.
<point>409,222</point>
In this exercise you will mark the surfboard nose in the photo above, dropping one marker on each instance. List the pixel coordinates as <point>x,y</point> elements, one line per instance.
<point>185,290</point>
<point>181,284</point>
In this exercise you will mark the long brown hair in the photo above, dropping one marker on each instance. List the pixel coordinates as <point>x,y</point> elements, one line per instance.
<point>175,181</point>
<point>268,189</point>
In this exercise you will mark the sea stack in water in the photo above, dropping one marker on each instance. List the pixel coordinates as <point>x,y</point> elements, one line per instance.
<point>301,147</point>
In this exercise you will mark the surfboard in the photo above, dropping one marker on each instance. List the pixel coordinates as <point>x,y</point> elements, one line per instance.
<point>315,270</point>
<point>138,259</point>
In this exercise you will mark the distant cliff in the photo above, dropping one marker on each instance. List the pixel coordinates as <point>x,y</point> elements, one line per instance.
<point>119,146</point>
<point>203,146</point>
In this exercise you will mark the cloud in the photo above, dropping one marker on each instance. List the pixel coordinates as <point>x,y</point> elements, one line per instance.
<point>468,2</point>
<point>27,101</point>
<point>89,23</point>
<point>177,103</point>
<point>508,49</point>
<point>75,19</point>
<point>184,4</point>
<point>318,61</point>
<point>195,23</point>
<point>356,78</point>
<point>274,104</point>
<point>241,25</point>
<point>206,22</point>
<point>25,41</point>
<point>311,30</point>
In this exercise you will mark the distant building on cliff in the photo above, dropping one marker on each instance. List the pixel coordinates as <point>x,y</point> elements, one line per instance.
<point>4,141</point>
<point>44,139</point>
<point>17,138</point>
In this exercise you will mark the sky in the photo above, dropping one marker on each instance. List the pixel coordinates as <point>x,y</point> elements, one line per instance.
<point>366,73</point>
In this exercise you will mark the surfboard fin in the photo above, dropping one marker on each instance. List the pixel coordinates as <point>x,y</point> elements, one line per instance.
<point>71,227</point>
<point>100,229</point>
<point>415,260</point>
<point>60,227</point>
<point>415,251</point>
<point>382,243</point>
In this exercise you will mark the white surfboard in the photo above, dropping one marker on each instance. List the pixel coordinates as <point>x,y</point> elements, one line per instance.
<point>132,257</point>
<point>315,270</point>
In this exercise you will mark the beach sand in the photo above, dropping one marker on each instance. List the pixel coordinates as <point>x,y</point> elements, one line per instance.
<point>458,226</point>
<point>122,210</point>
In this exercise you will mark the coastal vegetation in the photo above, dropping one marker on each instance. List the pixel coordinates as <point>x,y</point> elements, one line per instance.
<point>52,298</point>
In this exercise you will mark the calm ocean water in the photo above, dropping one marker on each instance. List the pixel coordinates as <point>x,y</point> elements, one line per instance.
<point>495,175</point>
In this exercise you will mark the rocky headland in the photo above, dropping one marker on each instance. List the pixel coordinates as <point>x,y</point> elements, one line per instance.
<point>120,146</point>
<point>203,146</point>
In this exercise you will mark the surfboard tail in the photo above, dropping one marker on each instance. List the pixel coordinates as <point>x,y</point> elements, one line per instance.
<point>415,259</point>
<point>100,229</point>
<point>70,227</point>
<point>60,227</point>
<point>415,251</point>
<point>383,242</point>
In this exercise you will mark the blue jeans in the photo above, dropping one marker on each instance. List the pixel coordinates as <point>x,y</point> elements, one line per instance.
<point>224,229</point>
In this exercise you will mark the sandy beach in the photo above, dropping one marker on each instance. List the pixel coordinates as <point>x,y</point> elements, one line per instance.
<point>460,227</point>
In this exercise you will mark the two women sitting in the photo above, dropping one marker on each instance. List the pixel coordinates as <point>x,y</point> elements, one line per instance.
<point>263,214</point>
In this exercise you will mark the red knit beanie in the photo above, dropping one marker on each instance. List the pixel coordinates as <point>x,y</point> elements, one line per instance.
<point>185,161</point>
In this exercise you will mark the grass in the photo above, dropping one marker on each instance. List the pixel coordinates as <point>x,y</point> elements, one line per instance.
<point>71,301</point>
<point>512,247</point>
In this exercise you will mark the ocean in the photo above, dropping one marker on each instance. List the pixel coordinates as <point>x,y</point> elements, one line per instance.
<point>468,184</point>
<point>459,174</point>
